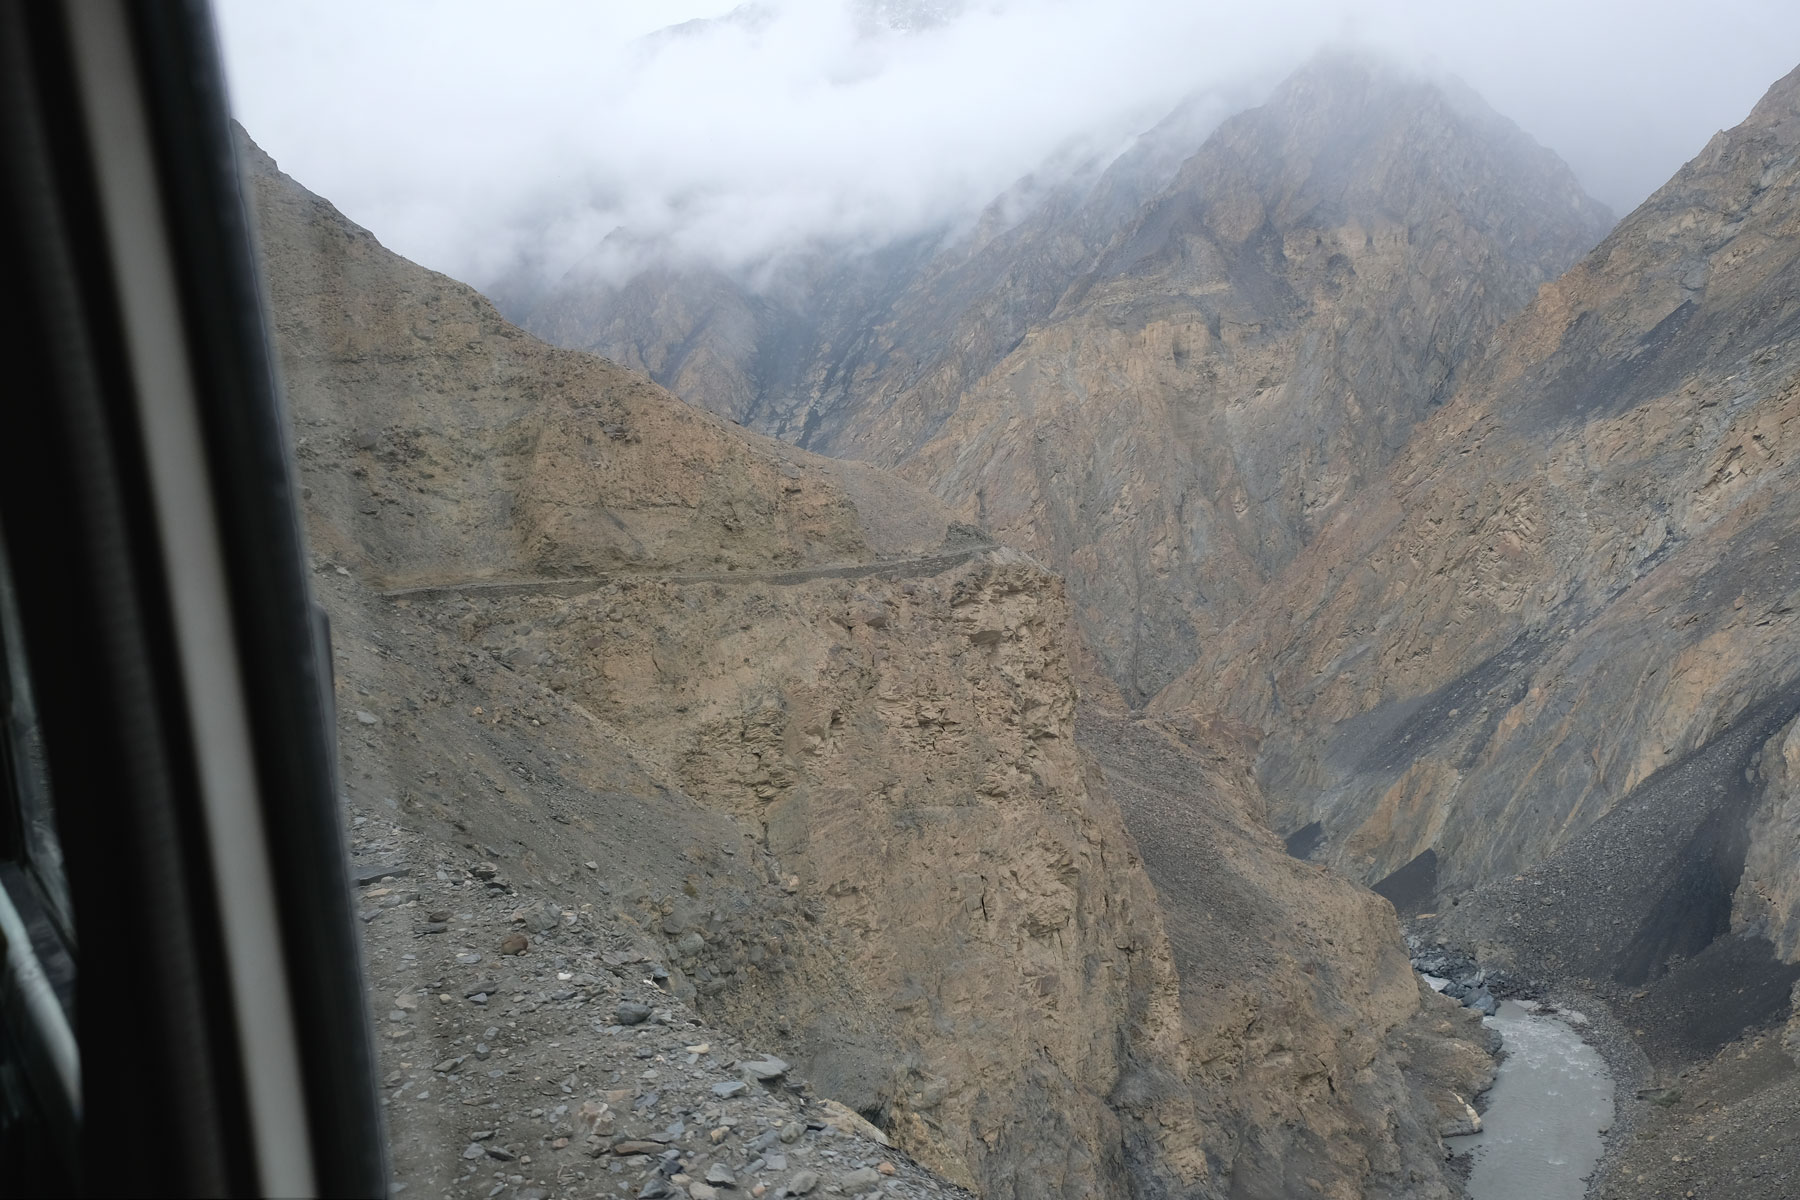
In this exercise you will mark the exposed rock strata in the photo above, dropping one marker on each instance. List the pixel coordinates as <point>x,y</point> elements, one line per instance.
<point>819,743</point>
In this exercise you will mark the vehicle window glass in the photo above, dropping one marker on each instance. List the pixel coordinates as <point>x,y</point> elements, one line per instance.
<point>39,850</point>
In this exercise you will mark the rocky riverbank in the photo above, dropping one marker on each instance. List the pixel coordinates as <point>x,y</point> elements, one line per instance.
<point>1457,974</point>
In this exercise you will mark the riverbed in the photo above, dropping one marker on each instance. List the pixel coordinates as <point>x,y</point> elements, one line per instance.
<point>1540,1137</point>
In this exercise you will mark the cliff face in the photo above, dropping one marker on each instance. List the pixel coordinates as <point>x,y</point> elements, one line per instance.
<point>1561,629</point>
<point>1165,381</point>
<point>816,743</point>
<point>1252,348</point>
<point>1320,1063</point>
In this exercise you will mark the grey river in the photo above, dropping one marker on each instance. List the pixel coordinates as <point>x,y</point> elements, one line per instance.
<point>1540,1135</point>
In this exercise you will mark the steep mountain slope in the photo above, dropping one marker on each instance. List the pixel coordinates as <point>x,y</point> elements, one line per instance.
<point>1163,382</point>
<point>806,347</point>
<point>1550,660</point>
<point>810,747</point>
<point>1287,975</point>
<point>1252,348</point>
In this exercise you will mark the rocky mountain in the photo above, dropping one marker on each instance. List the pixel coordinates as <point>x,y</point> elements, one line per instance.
<point>1542,675</point>
<point>796,346</point>
<point>1164,382</point>
<point>1252,348</point>
<point>1397,515</point>
<point>1558,540</point>
<point>735,734</point>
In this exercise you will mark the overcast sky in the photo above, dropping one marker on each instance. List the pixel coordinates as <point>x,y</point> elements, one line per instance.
<point>470,135</point>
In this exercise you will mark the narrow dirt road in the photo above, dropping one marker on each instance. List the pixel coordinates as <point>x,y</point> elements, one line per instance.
<point>900,568</point>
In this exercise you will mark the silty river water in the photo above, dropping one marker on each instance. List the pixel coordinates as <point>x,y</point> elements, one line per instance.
<point>1553,1098</point>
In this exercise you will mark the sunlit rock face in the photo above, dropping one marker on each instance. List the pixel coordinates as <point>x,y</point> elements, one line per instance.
<point>1164,381</point>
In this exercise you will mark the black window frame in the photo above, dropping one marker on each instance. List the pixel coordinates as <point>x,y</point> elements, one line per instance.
<point>167,1084</point>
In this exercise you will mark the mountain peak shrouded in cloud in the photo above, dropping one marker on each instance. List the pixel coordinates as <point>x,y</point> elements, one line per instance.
<point>486,142</point>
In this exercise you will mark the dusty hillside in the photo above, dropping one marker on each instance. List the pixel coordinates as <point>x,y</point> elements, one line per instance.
<point>449,445</point>
<point>803,751</point>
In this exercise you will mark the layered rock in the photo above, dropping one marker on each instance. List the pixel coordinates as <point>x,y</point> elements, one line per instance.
<point>817,742</point>
<point>1560,630</point>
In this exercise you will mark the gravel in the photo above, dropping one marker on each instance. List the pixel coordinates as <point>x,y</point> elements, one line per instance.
<point>563,1069</point>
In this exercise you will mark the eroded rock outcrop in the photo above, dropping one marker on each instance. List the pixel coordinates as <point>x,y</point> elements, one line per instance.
<point>815,741</point>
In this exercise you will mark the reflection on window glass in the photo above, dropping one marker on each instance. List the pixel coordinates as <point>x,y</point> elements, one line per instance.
<point>23,747</point>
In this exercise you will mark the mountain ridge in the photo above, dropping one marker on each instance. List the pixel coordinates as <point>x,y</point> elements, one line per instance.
<point>1257,343</point>
<point>813,751</point>
<point>1310,275</point>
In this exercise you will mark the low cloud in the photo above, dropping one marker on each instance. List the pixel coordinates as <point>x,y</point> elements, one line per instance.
<point>478,138</point>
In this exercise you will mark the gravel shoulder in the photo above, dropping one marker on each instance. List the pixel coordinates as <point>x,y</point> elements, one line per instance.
<point>531,1051</point>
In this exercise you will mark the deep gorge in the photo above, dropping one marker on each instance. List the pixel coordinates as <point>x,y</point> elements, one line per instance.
<point>994,675</point>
